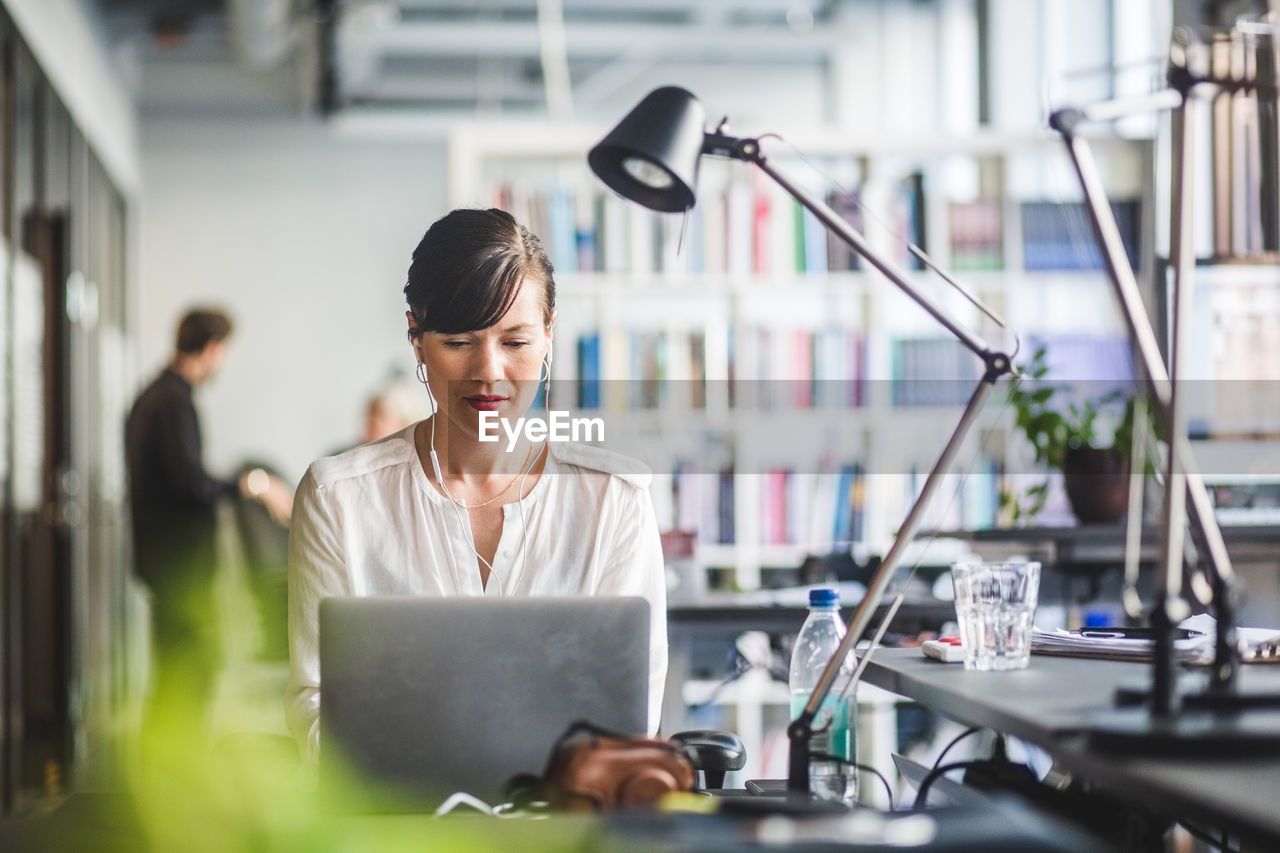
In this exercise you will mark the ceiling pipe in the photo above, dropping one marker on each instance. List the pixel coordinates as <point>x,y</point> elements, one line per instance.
<point>263,32</point>
<point>555,60</point>
<point>591,40</point>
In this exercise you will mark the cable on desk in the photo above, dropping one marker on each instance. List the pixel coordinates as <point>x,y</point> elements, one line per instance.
<point>922,793</point>
<point>462,798</point>
<point>1207,837</point>
<point>822,756</point>
<point>742,664</point>
<point>955,740</point>
<point>532,810</point>
<point>742,667</point>
<point>997,771</point>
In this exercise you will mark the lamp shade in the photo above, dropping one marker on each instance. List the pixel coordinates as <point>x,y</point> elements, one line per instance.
<point>651,156</point>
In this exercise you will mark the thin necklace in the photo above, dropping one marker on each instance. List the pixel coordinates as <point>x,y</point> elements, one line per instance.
<point>506,489</point>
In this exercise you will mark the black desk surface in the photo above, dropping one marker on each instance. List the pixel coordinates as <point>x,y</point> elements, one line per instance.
<point>113,823</point>
<point>1231,533</point>
<point>1103,543</point>
<point>1056,701</point>
<point>720,613</point>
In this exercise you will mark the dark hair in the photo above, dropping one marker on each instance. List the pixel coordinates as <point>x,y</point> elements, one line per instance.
<point>201,327</point>
<point>467,270</point>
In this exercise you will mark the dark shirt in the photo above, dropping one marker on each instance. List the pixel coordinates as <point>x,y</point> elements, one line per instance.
<point>173,500</point>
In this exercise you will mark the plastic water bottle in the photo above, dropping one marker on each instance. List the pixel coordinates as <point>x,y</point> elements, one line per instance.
<point>816,643</point>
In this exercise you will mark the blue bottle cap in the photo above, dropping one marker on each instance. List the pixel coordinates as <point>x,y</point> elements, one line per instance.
<point>1099,617</point>
<point>823,597</point>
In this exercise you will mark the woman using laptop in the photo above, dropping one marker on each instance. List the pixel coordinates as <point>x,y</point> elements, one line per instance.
<point>436,510</point>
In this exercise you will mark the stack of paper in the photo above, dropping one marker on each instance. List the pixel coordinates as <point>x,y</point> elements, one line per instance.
<point>1119,643</point>
<point>1193,643</point>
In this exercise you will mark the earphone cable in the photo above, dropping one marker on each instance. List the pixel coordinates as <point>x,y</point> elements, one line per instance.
<point>522,477</point>
<point>524,526</point>
<point>462,522</point>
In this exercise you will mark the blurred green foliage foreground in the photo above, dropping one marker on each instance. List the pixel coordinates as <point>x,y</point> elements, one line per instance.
<point>202,773</point>
<point>249,793</point>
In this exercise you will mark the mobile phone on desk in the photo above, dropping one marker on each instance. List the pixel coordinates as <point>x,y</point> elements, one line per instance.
<point>768,787</point>
<point>1123,633</point>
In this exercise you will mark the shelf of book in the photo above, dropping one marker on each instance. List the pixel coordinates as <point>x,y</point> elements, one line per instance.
<point>789,399</point>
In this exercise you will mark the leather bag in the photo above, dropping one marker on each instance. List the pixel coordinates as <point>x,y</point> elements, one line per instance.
<point>593,770</point>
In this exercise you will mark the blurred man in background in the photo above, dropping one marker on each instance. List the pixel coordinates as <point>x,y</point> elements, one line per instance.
<point>174,504</point>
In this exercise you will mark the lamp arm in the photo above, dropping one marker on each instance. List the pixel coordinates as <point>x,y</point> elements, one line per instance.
<point>1226,591</point>
<point>995,365</point>
<point>1172,607</point>
<point>749,150</point>
<point>801,729</point>
<point>1066,120</point>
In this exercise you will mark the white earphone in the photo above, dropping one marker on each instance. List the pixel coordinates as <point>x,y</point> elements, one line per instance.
<point>435,461</point>
<point>546,385</point>
<point>435,407</point>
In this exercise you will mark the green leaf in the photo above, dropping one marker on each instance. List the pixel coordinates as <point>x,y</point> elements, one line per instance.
<point>1051,430</point>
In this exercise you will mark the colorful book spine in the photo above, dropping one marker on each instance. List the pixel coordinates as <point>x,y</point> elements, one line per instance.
<point>1059,236</point>
<point>977,235</point>
<point>589,371</point>
<point>932,372</point>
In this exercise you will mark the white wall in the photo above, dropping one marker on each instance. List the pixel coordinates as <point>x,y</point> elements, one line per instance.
<point>306,239</point>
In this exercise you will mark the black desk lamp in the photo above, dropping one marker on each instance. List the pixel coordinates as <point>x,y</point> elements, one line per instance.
<point>1213,722</point>
<point>651,157</point>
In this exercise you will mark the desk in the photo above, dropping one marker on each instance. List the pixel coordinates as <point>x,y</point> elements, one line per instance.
<point>730,614</point>
<point>113,823</point>
<point>1053,701</point>
<point>1094,546</point>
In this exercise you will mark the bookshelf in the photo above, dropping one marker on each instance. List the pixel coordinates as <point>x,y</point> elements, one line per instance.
<point>788,399</point>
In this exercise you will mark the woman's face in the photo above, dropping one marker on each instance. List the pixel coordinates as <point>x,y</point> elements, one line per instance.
<point>489,370</point>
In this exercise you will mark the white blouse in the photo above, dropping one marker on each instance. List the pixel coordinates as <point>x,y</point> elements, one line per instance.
<point>368,522</point>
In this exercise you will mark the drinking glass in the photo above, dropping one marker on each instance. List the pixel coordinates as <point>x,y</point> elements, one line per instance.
<point>995,603</point>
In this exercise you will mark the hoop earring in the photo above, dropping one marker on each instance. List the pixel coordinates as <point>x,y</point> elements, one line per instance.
<point>422,377</point>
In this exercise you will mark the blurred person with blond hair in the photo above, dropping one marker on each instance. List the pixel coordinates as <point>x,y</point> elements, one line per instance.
<point>395,404</point>
<point>393,407</point>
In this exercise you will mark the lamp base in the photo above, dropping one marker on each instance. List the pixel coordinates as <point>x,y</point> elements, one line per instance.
<point>1191,731</point>
<point>1195,696</point>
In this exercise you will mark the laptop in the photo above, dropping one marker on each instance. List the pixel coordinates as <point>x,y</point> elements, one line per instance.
<point>431,696</point>
<point>942,791</point>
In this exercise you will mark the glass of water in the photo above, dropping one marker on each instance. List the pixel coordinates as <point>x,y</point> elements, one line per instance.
<point>995,603</point>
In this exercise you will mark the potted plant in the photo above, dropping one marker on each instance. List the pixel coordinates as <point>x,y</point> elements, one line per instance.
<point>1064,434</point>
